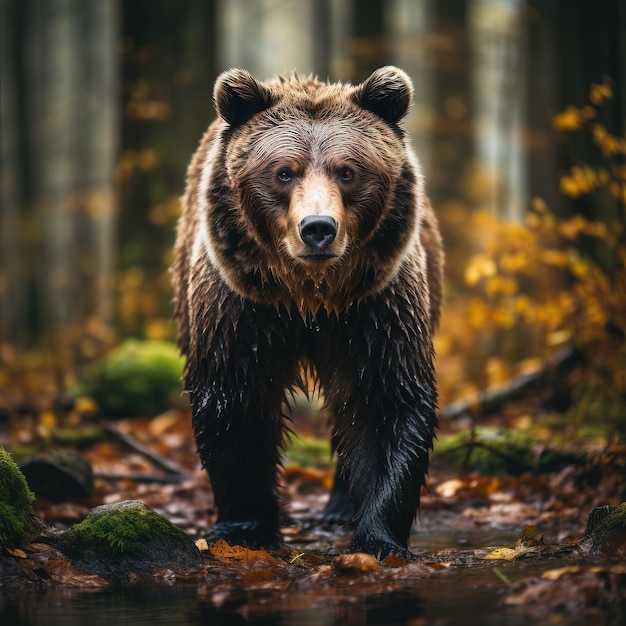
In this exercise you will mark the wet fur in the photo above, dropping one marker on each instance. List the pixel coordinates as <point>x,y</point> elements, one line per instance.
<point>243,300</point>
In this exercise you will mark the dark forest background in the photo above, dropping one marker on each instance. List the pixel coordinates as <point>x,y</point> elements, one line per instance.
<point>519,121</point>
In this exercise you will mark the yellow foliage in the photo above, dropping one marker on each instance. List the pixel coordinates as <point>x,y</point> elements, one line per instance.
<point>572,118</point>
<point>502,284</point>
<point>601,92</point>
<point>552,280</point>
<point>480,266</point>
<point>580,181</point>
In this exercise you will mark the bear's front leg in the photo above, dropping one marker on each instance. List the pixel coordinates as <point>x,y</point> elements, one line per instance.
<point>388,464</point>
<point>237,381</point>
<point>385,426</point>
<point>239,450</point>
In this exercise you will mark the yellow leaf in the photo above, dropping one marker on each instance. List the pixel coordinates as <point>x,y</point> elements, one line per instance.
<point>599,93</point>
<point>503,554</point>
<point>480,266</point>
<point>16,552</point>
<point>202,545</point>
<point>570,119</point>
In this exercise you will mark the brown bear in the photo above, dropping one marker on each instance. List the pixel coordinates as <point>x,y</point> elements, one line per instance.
<point>307,243</point>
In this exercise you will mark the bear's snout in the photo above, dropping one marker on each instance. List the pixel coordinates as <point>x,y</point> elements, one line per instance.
<point>318,231</point>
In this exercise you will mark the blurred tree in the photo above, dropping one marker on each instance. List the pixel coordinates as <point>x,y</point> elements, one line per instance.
<point>497,37</point>
<point>12,303</point>
<point>168,68</point>
<point>59,148</point>
<point>568,51</point>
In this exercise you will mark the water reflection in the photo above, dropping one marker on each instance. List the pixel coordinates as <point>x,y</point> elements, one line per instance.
<point>461,596</point>
<point>186,605</point>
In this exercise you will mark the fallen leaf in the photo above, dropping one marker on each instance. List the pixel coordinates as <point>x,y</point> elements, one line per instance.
<point>357,561</point>
<point>63,572</point>
<point>395,560</point>
<point>223,550</point>
<point>526,541</point>
<point>202,545</point>
<point>506,554</point>
<point>20,554</point>
<point>449,488</point>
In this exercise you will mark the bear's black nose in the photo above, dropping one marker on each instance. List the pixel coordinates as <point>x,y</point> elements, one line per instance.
<point>318,231</point>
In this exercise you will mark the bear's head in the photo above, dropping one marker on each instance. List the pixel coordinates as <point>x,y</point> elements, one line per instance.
<point>318,193</point>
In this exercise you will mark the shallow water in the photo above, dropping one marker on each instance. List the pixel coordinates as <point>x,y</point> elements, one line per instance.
<point>469,594</point>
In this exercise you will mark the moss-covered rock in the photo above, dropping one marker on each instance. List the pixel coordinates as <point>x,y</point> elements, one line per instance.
<point>117,539</point>
<point>137,378</point>
<point>17,520</point>
<point>606,530</point>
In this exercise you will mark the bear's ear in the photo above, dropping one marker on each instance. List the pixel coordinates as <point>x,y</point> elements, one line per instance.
<point>387,93</point>
<point>238,96</point>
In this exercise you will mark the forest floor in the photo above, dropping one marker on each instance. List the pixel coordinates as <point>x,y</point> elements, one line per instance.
<point>470,523</point>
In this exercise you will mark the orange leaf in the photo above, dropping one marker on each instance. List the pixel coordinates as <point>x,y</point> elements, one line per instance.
<point>357,561</point>
<point>223,550</point>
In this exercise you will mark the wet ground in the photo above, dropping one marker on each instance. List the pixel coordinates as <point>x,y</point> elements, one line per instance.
<point>462,518</point>
<point>450,583</point>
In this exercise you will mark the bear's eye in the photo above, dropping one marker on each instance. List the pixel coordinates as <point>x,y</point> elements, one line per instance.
<point>284,175</point>
<point>346,174</point>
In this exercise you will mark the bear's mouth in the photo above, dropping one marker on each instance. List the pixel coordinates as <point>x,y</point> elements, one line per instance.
<point>317,256</point>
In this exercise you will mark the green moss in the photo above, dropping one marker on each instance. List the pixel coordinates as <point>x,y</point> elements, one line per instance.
<point>17,520</point>
<point>496,451</point>
<point>79,437</point>
<point>118,529</point>
<point>308,452</point>
<point>137,378</point>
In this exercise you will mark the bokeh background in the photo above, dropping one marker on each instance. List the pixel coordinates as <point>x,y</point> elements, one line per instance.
<point>518,120</point>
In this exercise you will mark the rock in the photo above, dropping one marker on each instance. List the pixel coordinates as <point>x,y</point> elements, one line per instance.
<point>606,531</point>
<point>59,475</point>
<point>126,540</point>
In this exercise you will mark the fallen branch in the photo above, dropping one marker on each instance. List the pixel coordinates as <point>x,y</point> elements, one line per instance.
<point>143,478</point>
<point>166,465</point>
<point>489,400</point>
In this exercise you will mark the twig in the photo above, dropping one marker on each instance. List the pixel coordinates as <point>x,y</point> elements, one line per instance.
<point>142,478</point>
<point>165,464</point>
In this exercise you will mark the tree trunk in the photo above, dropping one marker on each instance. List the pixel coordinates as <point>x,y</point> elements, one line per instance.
<point>62,108</point>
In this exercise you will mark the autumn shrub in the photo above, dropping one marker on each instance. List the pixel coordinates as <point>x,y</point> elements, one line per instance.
<point>559,280</point>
